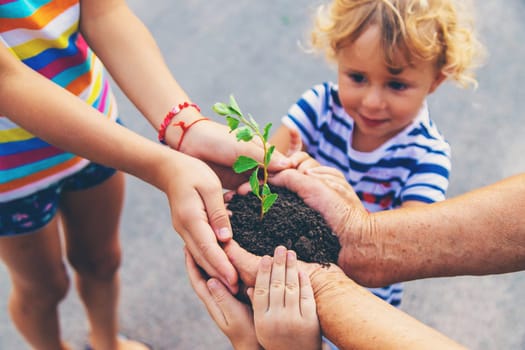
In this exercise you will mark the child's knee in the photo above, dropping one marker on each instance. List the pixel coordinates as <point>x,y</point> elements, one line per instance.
<point>42,295</point>
<point>100,267</point>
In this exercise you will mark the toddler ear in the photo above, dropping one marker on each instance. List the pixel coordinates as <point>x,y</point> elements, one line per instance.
<point>440,78</point>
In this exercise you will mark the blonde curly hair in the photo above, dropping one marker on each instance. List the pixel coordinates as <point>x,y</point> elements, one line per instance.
<point>430,30</point>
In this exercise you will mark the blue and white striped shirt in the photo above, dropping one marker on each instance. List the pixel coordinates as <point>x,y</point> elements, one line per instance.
<point>412,166</point>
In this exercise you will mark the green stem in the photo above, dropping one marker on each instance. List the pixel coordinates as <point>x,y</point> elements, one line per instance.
<point>265,176</point>
<point>265,168</point>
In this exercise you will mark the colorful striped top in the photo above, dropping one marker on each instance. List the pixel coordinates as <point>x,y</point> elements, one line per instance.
<point>44,35</point>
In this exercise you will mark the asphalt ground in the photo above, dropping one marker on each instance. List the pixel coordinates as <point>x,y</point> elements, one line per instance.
<point>252,49</point>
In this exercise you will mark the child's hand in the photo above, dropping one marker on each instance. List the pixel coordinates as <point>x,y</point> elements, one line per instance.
<point>214,144</point>
<point>302,161</point>
<point>296,143</point>
<point>234,318</point>
<point>284,305</point>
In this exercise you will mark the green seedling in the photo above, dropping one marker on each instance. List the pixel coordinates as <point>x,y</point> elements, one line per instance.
<point>246,129</point>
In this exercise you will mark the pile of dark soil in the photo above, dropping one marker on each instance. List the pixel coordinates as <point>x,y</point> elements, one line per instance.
<point>289,222</point>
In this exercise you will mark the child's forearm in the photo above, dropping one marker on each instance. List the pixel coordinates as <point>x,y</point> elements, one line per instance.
<point>353,318</point>
<point>113,31</point>
<point>60,118</point>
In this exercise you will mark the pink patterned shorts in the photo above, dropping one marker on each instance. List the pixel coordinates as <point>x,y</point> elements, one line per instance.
<point>28,214</point>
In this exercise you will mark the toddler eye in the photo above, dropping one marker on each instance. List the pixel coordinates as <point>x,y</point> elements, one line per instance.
<point>357,77</point>
<point>396,85</point>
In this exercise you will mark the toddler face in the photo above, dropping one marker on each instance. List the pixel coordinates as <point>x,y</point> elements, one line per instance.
<point>380,100</point>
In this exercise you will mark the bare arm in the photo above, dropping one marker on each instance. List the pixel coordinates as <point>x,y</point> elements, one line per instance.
<point>131,55</point>
<point>349,315</point>
<point>140,70</point>
<point>60,118</point>
<point>353,318</point>
<point>480,232</point>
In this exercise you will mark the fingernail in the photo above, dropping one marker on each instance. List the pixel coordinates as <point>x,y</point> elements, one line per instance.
<point>224,233</point>
<point>280,251</point>
<point>266,261</point>
<point>212,284</point>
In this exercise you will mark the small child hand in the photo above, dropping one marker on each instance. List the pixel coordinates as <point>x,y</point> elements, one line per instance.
<point>302,161</point>
<point>296,143</point>
<point>234,318</point>
<point>284,305</point>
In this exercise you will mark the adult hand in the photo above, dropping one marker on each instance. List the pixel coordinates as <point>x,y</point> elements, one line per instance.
<point>326,190</point>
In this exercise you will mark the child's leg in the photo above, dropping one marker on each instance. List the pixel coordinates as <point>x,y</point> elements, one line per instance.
<point>91,226</point>
<point>39,283</point>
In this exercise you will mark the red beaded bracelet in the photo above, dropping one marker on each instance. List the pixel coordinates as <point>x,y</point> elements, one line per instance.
<point>185,128</point>
<point>171,114</point>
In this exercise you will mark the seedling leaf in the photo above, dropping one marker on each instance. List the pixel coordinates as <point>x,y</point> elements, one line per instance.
<point>244,163</point>
<point>268,155</point>
<point>250,129</point>
<point>254,182</point>
<point>268,202</point>
<point>232,123</point>
<point>267,131</point>
<point>221,108</point>
<point>266,190</point>
<point>234,106</point>
<point>244,134</point>
<point>254,123</point>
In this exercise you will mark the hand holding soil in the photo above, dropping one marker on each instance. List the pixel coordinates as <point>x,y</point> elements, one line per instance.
<point>290,223</point>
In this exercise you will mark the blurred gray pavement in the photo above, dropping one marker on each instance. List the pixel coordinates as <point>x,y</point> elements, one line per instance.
<point>251,49</point>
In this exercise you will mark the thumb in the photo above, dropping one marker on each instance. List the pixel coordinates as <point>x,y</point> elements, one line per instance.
<point>218,217</point>
<point>279,162</point>
<point>305,186</point>
<point>223,297</point>
<point>244,262</point>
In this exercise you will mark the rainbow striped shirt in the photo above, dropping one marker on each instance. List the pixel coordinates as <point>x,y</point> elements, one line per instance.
<point>44,35</point>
